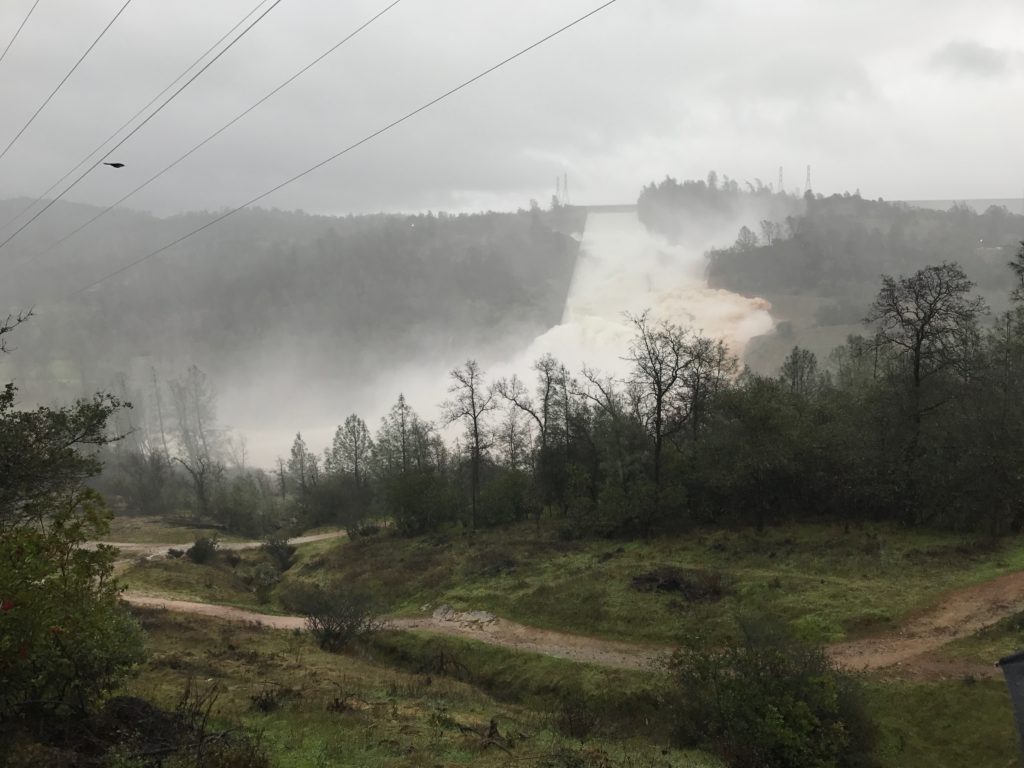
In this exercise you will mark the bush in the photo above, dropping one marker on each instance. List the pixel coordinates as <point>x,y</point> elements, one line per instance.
<point>203,550</point>
<point>363,530</point>
<point>768,700</point>
<point>264,579</point>
<point>281,552</point>
<point>336,615</point>
<point>64,639</point>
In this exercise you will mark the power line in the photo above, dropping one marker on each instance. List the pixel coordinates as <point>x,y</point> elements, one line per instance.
<point>132,119</point>
<point>137,128</point>
<point>61,83</point>
<point>220,130</point>
<point>344,151</point>
<point>18,30</point>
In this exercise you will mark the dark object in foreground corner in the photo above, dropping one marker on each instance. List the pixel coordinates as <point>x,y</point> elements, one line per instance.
<point>1013,671</point>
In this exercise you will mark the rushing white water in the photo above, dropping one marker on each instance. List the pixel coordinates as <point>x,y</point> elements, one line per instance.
<point>623,268</point>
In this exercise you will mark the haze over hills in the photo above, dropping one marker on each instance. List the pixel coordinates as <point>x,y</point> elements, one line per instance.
<point>301,319</point>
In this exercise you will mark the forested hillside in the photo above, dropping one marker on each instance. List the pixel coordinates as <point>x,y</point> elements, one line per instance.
<point>344,292</point>
<point>840,246</point>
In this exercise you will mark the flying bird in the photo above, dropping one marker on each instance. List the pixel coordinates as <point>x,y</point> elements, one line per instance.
<point>115,165</point>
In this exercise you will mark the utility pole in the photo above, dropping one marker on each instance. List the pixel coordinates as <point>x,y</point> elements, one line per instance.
<point>565,187</point>
<point>558,188</point>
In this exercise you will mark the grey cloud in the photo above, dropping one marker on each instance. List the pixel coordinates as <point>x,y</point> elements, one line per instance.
<point>972,59</point>
<point>645,88</point>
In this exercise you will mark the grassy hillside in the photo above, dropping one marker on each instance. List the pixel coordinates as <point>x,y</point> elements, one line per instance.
<point>830,583</point>
<point>391,704</point>
<point>349,710</point>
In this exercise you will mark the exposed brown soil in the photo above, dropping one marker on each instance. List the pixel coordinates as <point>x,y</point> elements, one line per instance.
<point>960,614</point>
<point>906,653</point>
<point>137,548</point>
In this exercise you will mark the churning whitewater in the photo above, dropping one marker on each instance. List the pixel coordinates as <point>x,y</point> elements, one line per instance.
<point>623,268</point>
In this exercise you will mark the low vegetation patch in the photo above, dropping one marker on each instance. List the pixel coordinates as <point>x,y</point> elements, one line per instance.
<point>336,615</point>
<point>828,581</point>
<point>695,585</point>
<point>770,700</point>
<point>318,709</point>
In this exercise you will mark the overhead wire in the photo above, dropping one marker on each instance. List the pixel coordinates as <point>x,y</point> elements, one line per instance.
<point>346,150</point>
<point>133,118</point>
<point>60,85</point>
<point>220,130</point>
<point>139,127</point>
<point>18,31</point>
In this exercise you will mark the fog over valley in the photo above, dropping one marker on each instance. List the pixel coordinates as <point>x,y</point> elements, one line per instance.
<point>590,384</point>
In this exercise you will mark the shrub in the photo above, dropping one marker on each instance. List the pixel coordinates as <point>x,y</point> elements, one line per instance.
<point>281,552</point>
<point>362,530</point>
<point>769,699</point>
<point>264,579</point>
<point>64,638</point>
<point>336,615</point>
<point>203,550</point>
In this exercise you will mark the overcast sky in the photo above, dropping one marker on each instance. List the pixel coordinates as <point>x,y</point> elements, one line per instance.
<point>909,100</point>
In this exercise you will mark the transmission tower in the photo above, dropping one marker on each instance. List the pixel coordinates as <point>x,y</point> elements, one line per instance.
<point>781,188</point>
<point>807,182</point>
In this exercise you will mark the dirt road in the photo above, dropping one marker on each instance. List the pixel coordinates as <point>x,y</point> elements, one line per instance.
<point>133,550</point>
<point>960,614</point>
<point>506,634</point>
<point>904,653</point>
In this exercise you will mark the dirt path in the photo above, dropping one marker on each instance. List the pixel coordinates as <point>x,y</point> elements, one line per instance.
<point>960,614</point>
<point>904,654</point>
<point>507,634</point>
<point>139,549</point>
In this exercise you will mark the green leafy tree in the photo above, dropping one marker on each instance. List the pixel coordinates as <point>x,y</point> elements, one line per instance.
<point>64,640</point>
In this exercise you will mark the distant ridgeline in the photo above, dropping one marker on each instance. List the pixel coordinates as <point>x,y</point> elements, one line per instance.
<point>833,246</point>
<point>336,293</point>
<point>842,244</point>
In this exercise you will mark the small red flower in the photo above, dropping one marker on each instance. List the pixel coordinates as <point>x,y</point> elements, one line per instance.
<point>55,630</point>
<point>6,605</point>
<point>23,651</point>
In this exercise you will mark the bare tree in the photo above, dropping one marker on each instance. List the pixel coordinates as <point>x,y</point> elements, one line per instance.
<point>550,376</point>
<point>928,321</point>
<point>8,324</point>
<point>660,357</point>
<point>708,369</point>
<point>238,446</point>
<point>470,404</point>
<point>159,407</point>
<point>205,473</point>
<point>196,434</point>
<point>926,325</point>
<point>514,437</point>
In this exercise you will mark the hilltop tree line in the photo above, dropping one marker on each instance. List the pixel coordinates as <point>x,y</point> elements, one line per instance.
<point>698,210</point>
<point>840,244</point>
<point>918,420</point>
